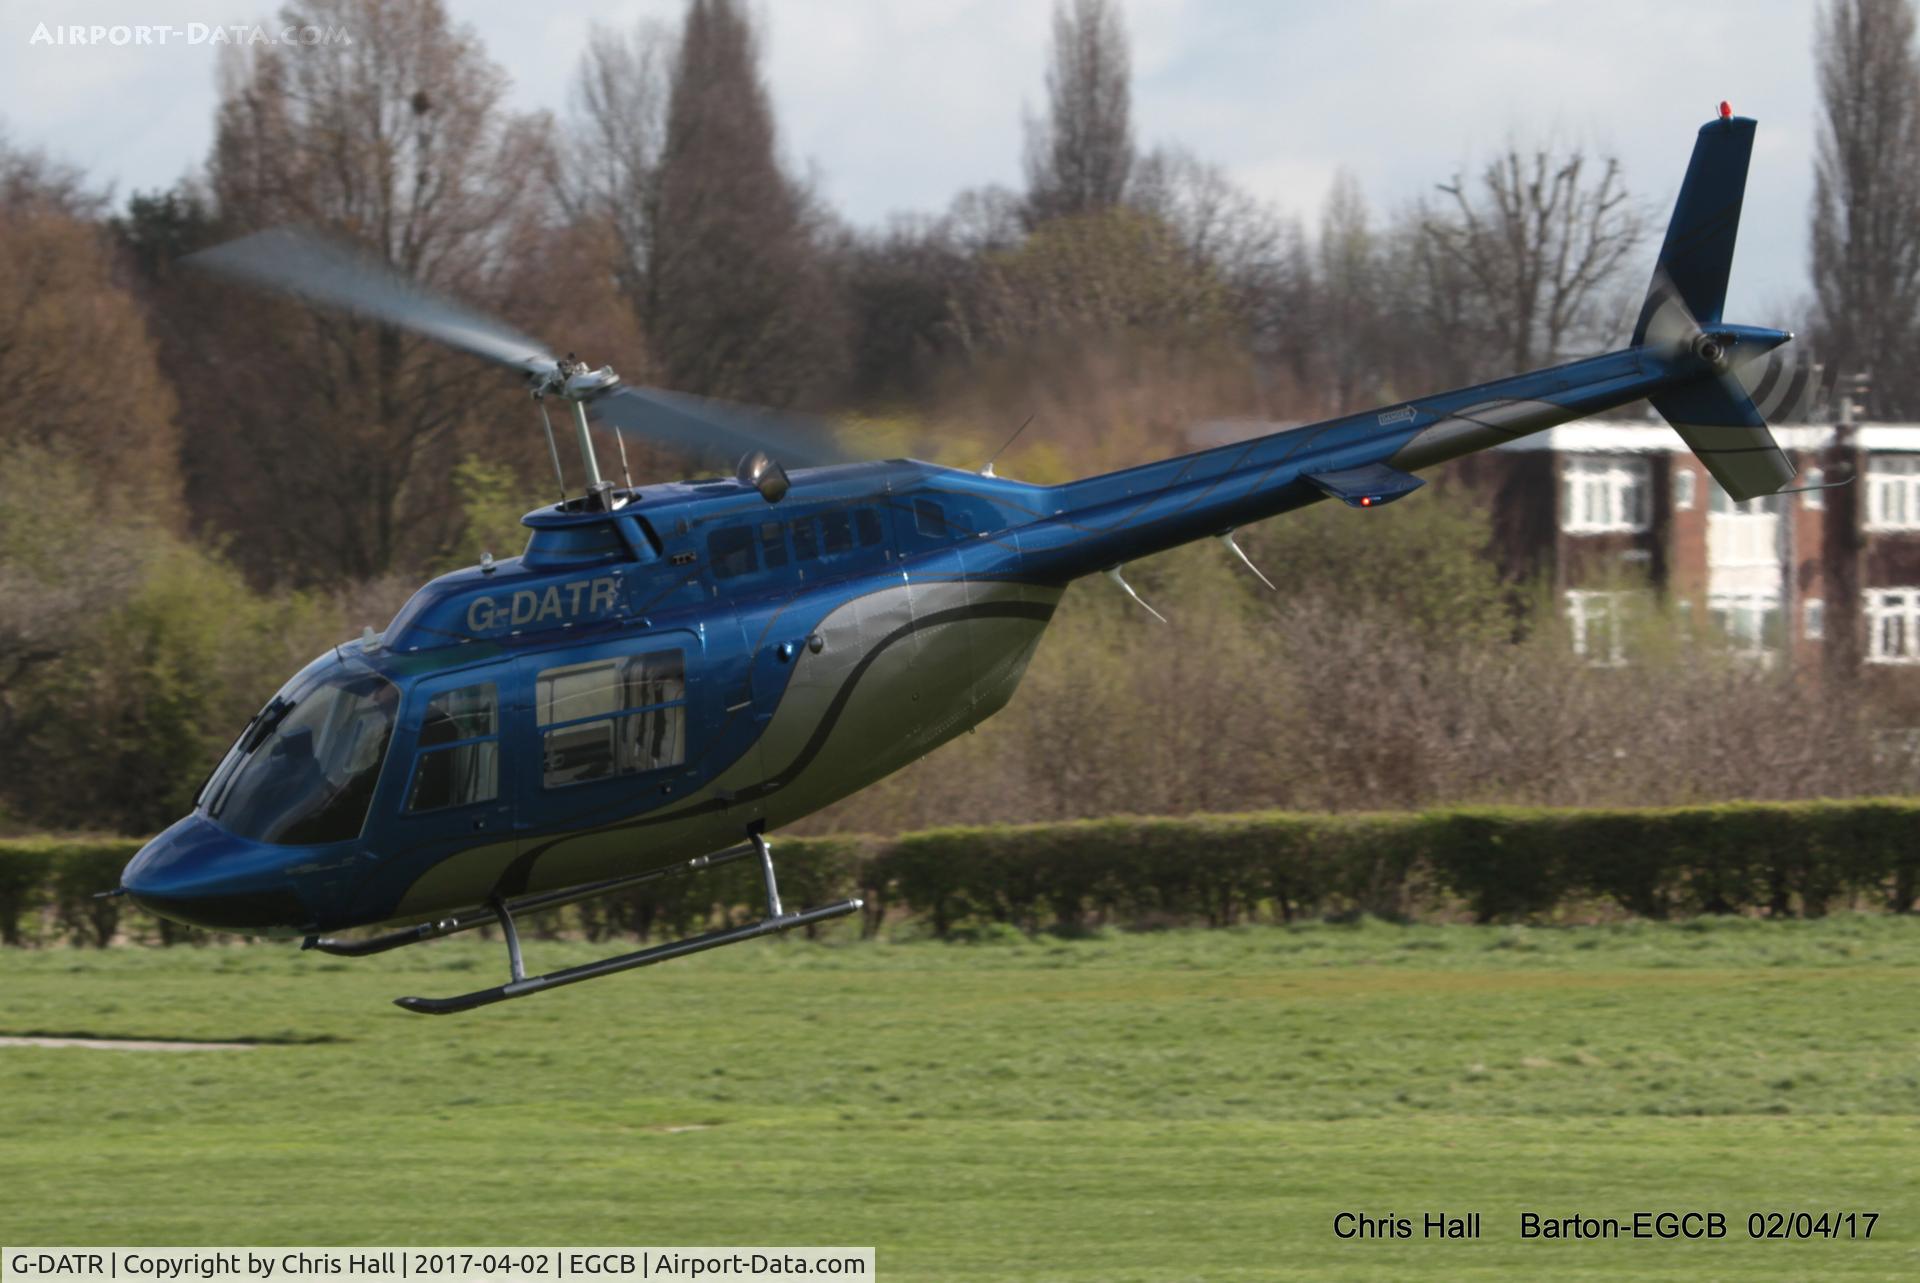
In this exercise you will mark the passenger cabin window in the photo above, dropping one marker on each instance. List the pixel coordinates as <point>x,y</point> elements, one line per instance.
<point>933,521</point>
<point>832,534</point>
<point>730,550</point>
<point>839,531</point>
<point>612,717</point>
<point>806,539</point>
<point>773,545</point>
<point>458,763</point>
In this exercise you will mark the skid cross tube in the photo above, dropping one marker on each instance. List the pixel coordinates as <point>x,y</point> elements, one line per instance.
<point>522,984</point>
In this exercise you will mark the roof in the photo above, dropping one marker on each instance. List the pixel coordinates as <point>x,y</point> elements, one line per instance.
<point>1611,436</point>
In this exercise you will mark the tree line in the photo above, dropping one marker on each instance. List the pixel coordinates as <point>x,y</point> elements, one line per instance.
<point>234,482</point>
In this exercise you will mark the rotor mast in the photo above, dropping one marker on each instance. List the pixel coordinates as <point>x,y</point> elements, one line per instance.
<point>574,383</point>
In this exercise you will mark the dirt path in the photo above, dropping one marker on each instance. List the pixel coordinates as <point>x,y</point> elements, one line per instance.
<point>125,1044</point>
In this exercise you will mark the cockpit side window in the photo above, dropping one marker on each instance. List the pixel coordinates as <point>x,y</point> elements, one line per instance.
<point>459,751</point>
<point>612,717</point>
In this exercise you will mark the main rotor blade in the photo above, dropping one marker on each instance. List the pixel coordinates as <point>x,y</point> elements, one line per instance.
<point>700,423</point>
<point>322,270</point>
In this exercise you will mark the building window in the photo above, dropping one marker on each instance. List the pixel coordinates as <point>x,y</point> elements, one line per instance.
<point>1749,621</point>
<point>1893,625</point>
<point>1814,500</point>
<point>1596,620</point>
<point>1685,483</point>
<point>1722,504</point>
<point>1813,619</point>
<point>459,762</point>
<point>1603,492</point>
<point>612,717</point>
<point>1893,492</point>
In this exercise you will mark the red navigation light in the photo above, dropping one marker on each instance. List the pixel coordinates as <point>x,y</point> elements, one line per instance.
<point>1726,111</point>
<point>1366,501</point>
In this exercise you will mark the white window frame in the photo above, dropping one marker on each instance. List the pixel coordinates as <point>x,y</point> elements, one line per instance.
<point>1814,500</point>
<point>1893,492</point>
<point>1686,487</point>
<point>1893,614</point>
<point>1621,484</point>
<point>1590,611</point>
<point>1730,612</point>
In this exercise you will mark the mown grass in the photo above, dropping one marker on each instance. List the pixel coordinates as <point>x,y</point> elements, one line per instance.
<point>1186,1105</point>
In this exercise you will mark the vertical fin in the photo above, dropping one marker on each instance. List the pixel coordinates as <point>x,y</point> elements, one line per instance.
<point>1697,255</point>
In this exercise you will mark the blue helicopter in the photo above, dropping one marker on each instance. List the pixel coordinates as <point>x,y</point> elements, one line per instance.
<point>670,672</point>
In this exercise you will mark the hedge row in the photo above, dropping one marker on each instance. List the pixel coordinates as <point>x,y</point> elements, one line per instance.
<point>1499,864</point>
<point>56,878</point>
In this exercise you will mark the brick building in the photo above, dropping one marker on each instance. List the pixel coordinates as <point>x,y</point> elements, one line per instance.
<point>1607,512</point>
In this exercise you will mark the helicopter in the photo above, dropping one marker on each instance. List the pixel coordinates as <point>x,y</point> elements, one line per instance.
<point>668,673</point>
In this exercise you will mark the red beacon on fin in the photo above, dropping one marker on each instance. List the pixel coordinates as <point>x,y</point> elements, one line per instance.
<point>1726,111</point>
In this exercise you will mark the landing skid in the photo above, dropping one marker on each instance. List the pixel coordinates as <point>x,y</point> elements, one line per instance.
<point>521,984</point>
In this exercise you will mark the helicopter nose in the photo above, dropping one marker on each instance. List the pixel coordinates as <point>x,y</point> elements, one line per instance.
<point>199,874</point>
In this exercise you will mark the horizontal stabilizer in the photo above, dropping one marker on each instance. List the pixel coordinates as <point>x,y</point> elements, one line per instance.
<point>1367,487</point>
<point>1720,424</point>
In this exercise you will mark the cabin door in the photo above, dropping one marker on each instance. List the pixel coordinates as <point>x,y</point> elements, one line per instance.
<point>458,787</point>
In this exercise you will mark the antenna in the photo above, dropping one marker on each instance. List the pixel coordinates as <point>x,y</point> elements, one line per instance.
<point>1240,552</point>
<point>988,470</point>
<point>1113,573</point>
<point>626,473</point>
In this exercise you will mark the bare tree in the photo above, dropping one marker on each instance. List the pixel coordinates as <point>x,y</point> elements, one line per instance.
<point>324,442</point>
<point>1222,225</point>
<point>901,287</point>
<point>64,310</point>
<point>1537,242</point>
<point>1866,237</point>
<point>32,180</point>
<point>1350,297</point>
<point>1079,156</point>
<point>609,170</point>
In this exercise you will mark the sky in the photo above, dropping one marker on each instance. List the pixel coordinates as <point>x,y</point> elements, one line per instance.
<point>896,105</point>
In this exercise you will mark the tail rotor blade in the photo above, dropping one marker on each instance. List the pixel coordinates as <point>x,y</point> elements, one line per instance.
<point>1669,322</point>
<point>1780,386</point>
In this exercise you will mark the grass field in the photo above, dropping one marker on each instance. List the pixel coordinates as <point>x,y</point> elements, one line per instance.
<point>1187,1105</point>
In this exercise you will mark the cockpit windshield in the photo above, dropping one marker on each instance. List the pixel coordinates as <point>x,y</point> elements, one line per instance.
<point>304,770</point>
